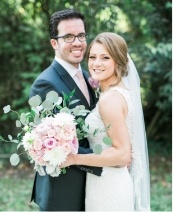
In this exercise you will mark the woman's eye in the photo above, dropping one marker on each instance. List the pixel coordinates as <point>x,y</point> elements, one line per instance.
<point>91,57</point>
<point>105,58</point>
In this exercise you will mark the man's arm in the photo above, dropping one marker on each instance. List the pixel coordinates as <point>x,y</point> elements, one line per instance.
<point>91,169</point>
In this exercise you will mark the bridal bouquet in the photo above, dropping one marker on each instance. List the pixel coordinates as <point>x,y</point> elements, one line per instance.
<point>49,137</point>
<point>49,143</point>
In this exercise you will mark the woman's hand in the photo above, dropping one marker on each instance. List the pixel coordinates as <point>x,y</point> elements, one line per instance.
<point>69,161</point>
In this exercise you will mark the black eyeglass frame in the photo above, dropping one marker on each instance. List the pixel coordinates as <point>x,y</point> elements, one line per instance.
<point>74,37</point>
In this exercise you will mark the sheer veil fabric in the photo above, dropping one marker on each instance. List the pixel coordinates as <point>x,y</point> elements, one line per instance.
<point>139,170</point>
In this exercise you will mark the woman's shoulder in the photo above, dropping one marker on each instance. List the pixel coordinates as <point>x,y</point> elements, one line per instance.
<point>111,99</point>
<point>113,94</point>
<point>113,102</point>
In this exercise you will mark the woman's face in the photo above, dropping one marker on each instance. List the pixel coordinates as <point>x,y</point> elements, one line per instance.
<point>101,65</point>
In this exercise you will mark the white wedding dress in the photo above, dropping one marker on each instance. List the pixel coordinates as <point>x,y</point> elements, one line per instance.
<point>113,191</point>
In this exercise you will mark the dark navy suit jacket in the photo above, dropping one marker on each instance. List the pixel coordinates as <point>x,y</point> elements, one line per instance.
<point>66,192</point>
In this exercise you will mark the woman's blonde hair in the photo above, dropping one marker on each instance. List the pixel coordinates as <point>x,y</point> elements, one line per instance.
<point>117,48</point>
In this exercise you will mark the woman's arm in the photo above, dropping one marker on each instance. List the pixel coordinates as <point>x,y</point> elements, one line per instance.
<point>113,110</point>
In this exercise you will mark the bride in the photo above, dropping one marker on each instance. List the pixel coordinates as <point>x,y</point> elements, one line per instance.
<point>119,106</point>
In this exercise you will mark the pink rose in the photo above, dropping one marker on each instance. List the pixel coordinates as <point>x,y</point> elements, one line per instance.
<point>50,143</point>
<point>51,133</point>
<point>37,144</point>
<point>74,146</point>
<point>66,148</point>
<point>43,128</point>
<point>67,132</point>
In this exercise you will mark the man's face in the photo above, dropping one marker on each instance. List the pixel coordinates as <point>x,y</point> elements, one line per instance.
<point>72,53</point>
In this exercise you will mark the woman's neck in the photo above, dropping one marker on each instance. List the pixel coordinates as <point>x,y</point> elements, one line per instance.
<point>106,86</point>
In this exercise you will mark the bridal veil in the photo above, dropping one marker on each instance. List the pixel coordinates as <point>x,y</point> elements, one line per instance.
<point>139,170</point>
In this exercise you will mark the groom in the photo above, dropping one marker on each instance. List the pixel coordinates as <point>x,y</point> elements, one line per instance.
<point>68,39</point>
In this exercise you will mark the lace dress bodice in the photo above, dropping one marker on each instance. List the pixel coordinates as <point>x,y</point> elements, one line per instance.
<point>94,120</point>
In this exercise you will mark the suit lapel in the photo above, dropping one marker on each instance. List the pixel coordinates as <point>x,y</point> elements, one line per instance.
<point>70,83</point>
<point>91,91</point>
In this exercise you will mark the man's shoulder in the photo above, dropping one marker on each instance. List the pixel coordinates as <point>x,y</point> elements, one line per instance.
<point>48,73</point>
<point>45,82</point>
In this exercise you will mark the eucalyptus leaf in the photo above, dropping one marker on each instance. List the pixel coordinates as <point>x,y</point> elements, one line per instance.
<point>15,141</point>
<point>47,105</point>
<point>37,120</point>
<point>81,107</point>
<point>31,124</point>
<point>82,113</point>
<point>107,140</point>
<point>10,137</point>
<point>75,110</point>
<point>58,107</point>
<point>85,128</point>
<point>35,101</point>
<point>79,120</point>
<point>74,101</point>
<point>23,118</point>
<point>59,101</point>
<point>14,159</point>
<point>52,96</point>
<point>97,149</point>
<point>65,110</point>
<point>18,123</point>
<point>37,109</point>
<point>7,109</point>
<point>20,144</point>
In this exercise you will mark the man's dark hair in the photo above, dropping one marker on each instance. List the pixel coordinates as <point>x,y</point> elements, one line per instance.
<point>60,16</point>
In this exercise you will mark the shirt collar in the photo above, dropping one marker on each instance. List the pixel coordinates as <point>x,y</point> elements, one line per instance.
<point>68,67</point>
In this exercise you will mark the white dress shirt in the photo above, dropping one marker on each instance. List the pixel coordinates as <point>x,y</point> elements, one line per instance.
<point>70,69</point>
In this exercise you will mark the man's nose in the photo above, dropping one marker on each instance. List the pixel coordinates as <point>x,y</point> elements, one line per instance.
<point>76,41</point>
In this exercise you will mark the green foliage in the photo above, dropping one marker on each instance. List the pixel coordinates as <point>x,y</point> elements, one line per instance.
<point>16,190</point>
<point>160,156</point>
<point>25,51</point>
<point>158,67</point>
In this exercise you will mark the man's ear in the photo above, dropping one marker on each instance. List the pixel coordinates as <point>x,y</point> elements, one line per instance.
<point>54,44</point>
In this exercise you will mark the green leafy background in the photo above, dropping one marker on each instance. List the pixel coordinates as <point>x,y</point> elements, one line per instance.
<point>25,52</point>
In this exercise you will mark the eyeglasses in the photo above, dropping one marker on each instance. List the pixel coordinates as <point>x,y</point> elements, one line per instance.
<point>69,38</point>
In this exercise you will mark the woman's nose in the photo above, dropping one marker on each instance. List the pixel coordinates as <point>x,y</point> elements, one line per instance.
<point>97,62</point>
